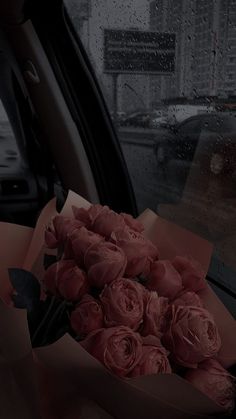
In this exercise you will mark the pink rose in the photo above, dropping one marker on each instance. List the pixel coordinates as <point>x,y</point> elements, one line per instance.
<point>192,336</point>
<point>81,240</point>
<point>105,262</point>
<point>62,228</point>
<point>87,316</point>
<point>214,381</point>
<point>118,348</point>
<point>154,359</point>
<point>137,248</point>
<point>95,210</point>
<point>191,272</point>
<point>164,279</point>
<point>102,220</point>
<point>82,215</point>
<point>154,319</point>
<point>132,223</point>
<point>106,222</point>
<point>122,303</point>
<point>66,279</point>
<point>187,298</point>
<point>89,216</point>
<point>50,238</point>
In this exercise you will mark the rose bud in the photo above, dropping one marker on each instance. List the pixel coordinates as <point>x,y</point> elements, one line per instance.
<point>67,251</point>
<point>191,272</point>
<point>87,316</point>
<point>137,248</point>
<point>118,348</point>
<point>154,359</point>
<point>51,274</point>
<point>81,240</point>
<point>164,279</point>
<point>187,298</point>
<point>82,215</point>
<point>154,319</point>
<point>50,238</point>
<point>147,267</point>
<point>132,223</point>
<point>107,221</point>
<point>88,216</point>
<point>214,381</point>
<point>95,210</point>
<point>122,303</point>
<point>62,228</point>
<point>66,279</point>
<point>104,262</point>
<point>192,336</point>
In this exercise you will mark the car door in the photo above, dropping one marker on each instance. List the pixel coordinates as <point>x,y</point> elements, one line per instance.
<point>72,115</point>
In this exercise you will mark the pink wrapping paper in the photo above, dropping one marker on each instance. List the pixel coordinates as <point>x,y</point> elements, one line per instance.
<point>70,367</point>
<point>126,399</point>
<point>18,392</point>
<point>18,388</point>
<point>173,240</point>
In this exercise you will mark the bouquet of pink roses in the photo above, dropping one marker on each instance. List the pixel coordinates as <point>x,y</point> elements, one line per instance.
<point>134,304</point>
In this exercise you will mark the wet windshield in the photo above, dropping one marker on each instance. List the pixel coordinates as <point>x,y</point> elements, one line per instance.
<point>167,70</point>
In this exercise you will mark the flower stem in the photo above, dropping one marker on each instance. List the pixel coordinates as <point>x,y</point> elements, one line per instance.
<point>56,314</point>
<point>44,319</point>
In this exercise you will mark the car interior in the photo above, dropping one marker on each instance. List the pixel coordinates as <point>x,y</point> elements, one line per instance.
<point>57,133</point>
<point>57,130</point>
<point>51,156</point>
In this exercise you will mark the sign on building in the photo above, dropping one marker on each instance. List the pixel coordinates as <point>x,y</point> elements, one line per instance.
<point>138,52</point>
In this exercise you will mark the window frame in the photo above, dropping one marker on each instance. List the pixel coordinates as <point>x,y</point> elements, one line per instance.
<point>82,93</point>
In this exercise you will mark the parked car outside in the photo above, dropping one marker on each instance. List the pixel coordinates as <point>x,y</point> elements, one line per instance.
<point>145,119</point>
<point>213,134</point>
<point>179,113</point>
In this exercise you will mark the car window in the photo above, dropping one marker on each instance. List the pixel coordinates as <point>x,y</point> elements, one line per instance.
<point>23,190</point>
<point>175,60</point>
<point>9,154</point>
<point>11,183</point>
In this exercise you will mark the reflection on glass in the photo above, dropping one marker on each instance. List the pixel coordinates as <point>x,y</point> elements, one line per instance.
<point>177,126</point>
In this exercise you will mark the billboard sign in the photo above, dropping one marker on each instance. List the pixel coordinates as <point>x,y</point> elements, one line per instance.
<point>141,52</point>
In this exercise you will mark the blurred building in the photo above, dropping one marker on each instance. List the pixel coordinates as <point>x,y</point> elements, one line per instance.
<point>175,17</point>
<point>227,48</point>
<point>205,47</point>
<point>90,18</point>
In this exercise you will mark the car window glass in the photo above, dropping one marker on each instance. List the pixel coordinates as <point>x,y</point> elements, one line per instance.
<point>9,155</point>
<point>160,63</point>
<point>220,123</point>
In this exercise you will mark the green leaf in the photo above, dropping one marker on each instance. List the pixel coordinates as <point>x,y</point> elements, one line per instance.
<point>27,288</point>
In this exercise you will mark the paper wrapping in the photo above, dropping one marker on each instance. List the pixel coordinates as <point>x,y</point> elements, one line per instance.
<point>18,392</point>
<point>18,386</point>
<point>71,373</point>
